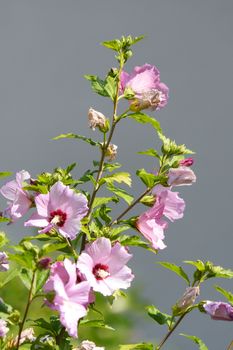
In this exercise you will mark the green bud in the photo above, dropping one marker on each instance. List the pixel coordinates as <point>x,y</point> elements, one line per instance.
<point>14,317</point>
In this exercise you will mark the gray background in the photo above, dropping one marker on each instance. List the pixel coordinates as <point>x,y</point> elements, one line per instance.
<point>46,48</point>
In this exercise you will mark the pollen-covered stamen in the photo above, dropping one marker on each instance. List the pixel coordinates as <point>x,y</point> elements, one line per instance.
<point>100,271</point>
<point>58,217</point>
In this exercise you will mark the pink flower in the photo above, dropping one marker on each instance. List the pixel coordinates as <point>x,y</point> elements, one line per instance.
<point>152,226</point>
<point>104,266</point>
<point>219,310</point>
<point>144,81</point>
<point>71,296</point>
<point>4,263</point>
<point>151,223</point>
<point>181,176</point>
<point>187,162</point>
<point>62,208</point>
<point>19,199</point>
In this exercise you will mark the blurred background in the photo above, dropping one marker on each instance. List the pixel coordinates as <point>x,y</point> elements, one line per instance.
<point>47,47</point>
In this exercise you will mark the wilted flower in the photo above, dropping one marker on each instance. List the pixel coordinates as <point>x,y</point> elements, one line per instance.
<point>145,83</point>
<point>187,162</point>
<point>105,267</point>
<point>111,151</point>
<point>71,296</point>
<point>3,328</point>
<point>96,119</point>
<point>19,199</point>
<point>219,310</point>
<point>188,298</point>
<point>181,176</point>
<point>4,263</point>
<point>62,208</point>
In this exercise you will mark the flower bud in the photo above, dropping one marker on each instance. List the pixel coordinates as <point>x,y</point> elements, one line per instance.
<point>187,162</point>
<point>96,119</point>
<point>89,345</point>
<point>44,263</point>
<point>188,299</point>
<point>111,151</point>
<point>181,176</point>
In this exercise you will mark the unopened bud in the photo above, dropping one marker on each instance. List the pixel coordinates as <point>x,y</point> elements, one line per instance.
<point>187,162</point>
<point>188,299</point>
<point>44,263</point>
<point>96,119</point>
<point>111,151</point>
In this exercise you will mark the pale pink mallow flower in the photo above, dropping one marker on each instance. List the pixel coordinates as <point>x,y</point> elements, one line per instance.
<point>152,226</point>
<point>3,328</point>
<point>181,176</point>
<point>151,223</point>
<point>19,200</point>
<point>62,208</point>
<point>174,206</point>
<point>145,83</point>
<point>219,310</point>
<point>104,266</point>
<point>72,296</point>
<point>4,262</point>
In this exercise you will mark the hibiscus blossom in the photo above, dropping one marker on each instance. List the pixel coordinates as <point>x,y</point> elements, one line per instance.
<point>145,83</point>
<point>219,310</point>
<point>62,208</point>
<point>19,199</point>
<point>104,266</point>
<point>72,296</point>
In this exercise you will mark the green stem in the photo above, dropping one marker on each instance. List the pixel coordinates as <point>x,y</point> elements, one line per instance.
<point>30,298</point>
<point>230,346</point>
<point>170,332</point>
<point>69,243</point>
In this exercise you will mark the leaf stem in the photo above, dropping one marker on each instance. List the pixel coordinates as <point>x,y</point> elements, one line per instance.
<point>170,332</point>
<point>30,298</point>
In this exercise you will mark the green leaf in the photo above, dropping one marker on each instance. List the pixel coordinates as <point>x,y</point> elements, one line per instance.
<point>96,324</point>
<point>116,231</point>
<point>9,276</point>
<point>41,278</point>
<point>176,269</point>
<point>74,136</point>
<point>225,293</point>
<point>3,219</point>
<point>25,260</point>
<point>5,308</point>
<point>139,346</point>
<point>97,84</point>
<point>150,152</point>
<point>26,277</point>
<point>150,180</point>
<point>3,239</point>
<point>110,87</point>
<point>158,316</point>
<point>146,119</point>
<point>98,201</point>
<point>217,271</point>
<point>196,340</point>
<point>198,264</point>
<point>113,44</point>
<point>116,177</point>
<point>49,248</point>
<point>5,173</point>
<point>121,193</point>
<point>136,241</point>
<point>171,148</point>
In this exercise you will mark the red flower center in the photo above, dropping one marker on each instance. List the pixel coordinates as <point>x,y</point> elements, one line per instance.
<point>100,271</point>
<point>58,217</point>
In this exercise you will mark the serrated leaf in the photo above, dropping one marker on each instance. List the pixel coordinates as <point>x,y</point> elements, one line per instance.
<point>75,136</point>
<point>117,177</point>
<point>110,87</point>
<point>112,44</point>
<point>116,231</point>
<point>3,239</point>
<point>150,152</point>
<point>136,241</point>
<point>107,166</point>
<point>26,277</point>
<point>5,173</point>
<point>158,316</point>
<point>219,272</point>
<point>228,295</point>
<point>176,269</point>
<point>139,346</point>
<point>146,119</point>
<point>98,201</point>
<point>121,193</point>
<point>9,276</point>
<point>96,324</point>
<point>97,84</point>
<point>196,340</point>
<point>41,278</point>
<point>52,247</point>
